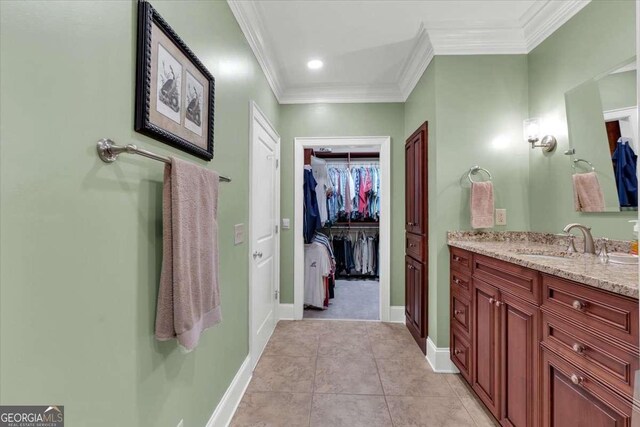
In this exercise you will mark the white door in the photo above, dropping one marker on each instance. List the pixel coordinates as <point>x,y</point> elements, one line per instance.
<point>264,231</point>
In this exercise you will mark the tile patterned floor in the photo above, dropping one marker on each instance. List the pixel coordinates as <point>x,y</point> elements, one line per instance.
<point>341,373</point>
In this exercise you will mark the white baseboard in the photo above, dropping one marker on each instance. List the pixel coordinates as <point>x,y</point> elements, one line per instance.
<point>285,312</point>
<point>439,359</point>
<point>396,314</point>
<point>223,414</point>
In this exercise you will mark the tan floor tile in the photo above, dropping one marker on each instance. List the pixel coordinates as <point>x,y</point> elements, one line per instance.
<point>284,374</point>
<point>394,349</point>
<point>428,412</point>
<point>346,410</point>
<point>388,331</point>
<point>283,344</point>
<point>459,385</point>
<point>347,375</point>
<point>302,327</point>
<point>273,409</point>
<point>344,346</point>
<point>346,327</point>
<point>478,412</point>
<point>408,378</point>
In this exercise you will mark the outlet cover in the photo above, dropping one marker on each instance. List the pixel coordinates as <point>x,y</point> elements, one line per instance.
<point>286,223</point>
<point>501,217</point>
<point>238,233</point>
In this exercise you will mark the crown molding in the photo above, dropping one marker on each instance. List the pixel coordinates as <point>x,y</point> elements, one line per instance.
<point>543,19</point>
<point>419,59</point>
<point>497,37</point>
<point>478,41</point>
<point>342,94</point>
<point>248,17</point>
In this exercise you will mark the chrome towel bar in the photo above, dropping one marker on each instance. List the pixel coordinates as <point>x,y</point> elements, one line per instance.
<point>475,169</point>
<point>108,152</point>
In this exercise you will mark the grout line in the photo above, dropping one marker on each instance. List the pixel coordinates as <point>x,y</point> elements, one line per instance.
<point>313,385</point>
<point>380,379</point>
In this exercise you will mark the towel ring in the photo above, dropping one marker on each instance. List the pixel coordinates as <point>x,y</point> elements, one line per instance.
<point>576,161</point>
<point>475,169</point>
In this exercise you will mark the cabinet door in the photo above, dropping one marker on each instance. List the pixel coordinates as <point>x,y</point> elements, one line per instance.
<point>519,351</point>
<point>486,345</point>
<point>416,301</point>
<point>409,169</point>
<point>416,177</point>
<point>414,295</point>
<point>571,398</point>
<point>409,294</point>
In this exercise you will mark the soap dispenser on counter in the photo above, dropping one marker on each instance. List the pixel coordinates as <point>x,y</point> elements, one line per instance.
<point>634,241</point>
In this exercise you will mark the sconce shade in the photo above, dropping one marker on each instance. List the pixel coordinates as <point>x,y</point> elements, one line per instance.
<point>532,130</point>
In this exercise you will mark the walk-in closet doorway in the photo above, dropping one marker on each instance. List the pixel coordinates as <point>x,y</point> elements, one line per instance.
<point>379,144</point>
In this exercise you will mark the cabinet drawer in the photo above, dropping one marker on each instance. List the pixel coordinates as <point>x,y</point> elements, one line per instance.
<point>460,260</point>
<point>414,246</point>
<point>511,278</point>
<point>607,362</point>
<point>460,312</point>
<point>461,283</point>
<point>571,397</point>
<point>604,314</point>
<point>461,353</point>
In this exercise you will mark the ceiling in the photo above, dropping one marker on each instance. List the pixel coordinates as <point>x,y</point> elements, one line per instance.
<point>376,51</point>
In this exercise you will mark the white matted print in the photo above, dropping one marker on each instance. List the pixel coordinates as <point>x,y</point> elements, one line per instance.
<point>169,85</point>
<point>193,102</point>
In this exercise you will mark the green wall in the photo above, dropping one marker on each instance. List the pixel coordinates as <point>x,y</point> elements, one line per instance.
<point>81,240</point>
<point>618,90</point>
<point>475,106</point>
<point>313,120</point>
<point>597,39</point>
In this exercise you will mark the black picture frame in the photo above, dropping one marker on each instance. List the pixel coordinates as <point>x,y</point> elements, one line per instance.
<point>148,17</point>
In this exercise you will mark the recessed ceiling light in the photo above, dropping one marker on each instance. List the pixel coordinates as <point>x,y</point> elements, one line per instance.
<point>315,64</point>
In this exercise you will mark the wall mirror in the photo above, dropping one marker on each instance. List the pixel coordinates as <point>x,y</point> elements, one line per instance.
<point>603,126</point>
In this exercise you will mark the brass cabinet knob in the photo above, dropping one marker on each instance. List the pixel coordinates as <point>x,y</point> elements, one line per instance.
<point>578,305</point>
<point>577,380</point>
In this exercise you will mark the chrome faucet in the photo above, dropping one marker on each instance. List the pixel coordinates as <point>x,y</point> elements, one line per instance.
<point>589,247</point>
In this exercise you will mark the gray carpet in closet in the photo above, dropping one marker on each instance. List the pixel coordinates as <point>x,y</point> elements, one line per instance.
<point>354,299</point>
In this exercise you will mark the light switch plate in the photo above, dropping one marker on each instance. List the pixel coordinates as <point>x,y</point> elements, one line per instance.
<point>501,217</point>
<point>238,233</point>
<point>286,223</point>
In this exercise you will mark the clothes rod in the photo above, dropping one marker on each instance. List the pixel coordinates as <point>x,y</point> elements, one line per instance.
<point>108,152</point>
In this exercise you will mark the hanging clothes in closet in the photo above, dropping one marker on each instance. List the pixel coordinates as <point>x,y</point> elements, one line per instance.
<point>356,193</point>
<point>311,220</point>
<point>357,256</point>
<point>319,267</point>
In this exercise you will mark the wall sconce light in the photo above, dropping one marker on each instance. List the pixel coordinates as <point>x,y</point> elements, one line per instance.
<point>532,135</point>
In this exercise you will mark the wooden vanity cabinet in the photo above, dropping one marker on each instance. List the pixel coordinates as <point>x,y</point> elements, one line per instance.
<point>534,360</point>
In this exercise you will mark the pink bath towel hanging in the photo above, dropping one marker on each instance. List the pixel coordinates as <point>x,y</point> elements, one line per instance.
<point>188,297</point>
<point>482,205</point>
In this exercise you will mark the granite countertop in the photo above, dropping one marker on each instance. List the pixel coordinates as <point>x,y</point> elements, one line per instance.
<point>517,247</point>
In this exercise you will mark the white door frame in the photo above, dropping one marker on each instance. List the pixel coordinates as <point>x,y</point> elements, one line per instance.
<point>384,144</point>
<point>255,113</point>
